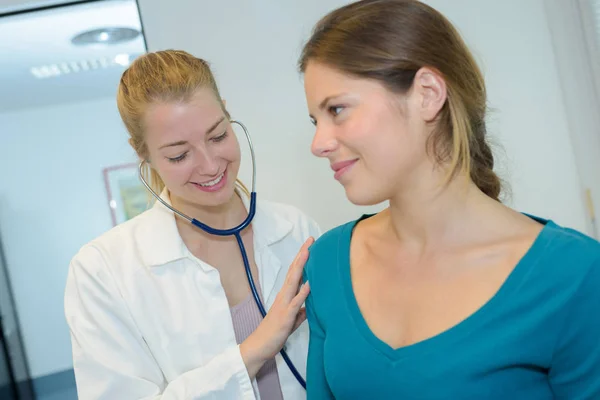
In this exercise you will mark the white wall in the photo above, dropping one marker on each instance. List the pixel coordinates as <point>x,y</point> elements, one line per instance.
<point>574,32</point>
<point>254,47</point>
<point>52,201</point>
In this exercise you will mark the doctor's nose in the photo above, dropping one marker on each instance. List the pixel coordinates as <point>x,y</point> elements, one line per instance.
<point>324,142</point>
<point>207,164</point>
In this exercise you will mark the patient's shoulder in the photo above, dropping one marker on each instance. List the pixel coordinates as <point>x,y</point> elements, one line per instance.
<point>326,254</point>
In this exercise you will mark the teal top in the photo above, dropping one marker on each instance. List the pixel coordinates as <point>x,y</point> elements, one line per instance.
<point>537,338</point>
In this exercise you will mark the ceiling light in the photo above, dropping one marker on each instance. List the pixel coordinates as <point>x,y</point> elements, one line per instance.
<point>63,68</point>
<point>122,59</point>
<point>112,35</point>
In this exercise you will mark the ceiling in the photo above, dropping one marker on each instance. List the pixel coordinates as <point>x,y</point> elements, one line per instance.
<point>19,5</point>
<point>42,38</point>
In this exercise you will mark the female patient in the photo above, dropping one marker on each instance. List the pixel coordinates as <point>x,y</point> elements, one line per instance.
<point>447,293</point>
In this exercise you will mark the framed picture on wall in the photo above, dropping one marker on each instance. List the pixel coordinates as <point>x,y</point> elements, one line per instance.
<point>127,195</point>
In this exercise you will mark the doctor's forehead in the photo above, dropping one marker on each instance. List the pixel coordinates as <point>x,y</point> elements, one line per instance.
<point>201,111</point>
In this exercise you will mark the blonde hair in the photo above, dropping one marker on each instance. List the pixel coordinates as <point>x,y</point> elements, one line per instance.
<point>389,41</point>
<point>163,76</point>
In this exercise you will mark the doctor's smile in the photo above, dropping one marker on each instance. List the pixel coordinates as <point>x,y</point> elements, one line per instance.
<point>213,185</point>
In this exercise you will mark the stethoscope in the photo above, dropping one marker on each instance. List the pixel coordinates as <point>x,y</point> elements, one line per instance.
<point>236,231</point>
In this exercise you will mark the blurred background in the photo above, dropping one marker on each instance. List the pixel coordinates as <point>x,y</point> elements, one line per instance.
<point>67,173</point>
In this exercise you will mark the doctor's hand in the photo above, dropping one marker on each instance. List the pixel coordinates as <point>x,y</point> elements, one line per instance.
<point>282,319</point>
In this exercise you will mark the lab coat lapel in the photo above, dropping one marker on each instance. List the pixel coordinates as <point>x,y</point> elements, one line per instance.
<point>269,266</point>
<point>269,228</point>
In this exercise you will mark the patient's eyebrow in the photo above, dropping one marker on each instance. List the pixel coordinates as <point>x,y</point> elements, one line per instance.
<point>329,98</point>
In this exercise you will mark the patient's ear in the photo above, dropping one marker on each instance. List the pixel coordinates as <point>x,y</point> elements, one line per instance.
<point>430,86</point>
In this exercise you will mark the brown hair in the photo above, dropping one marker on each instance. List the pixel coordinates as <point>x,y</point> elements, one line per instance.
<point>162,76</point>
<point>389,41</point>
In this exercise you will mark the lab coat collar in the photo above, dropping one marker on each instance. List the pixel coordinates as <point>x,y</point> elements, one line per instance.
<point>160,242</point>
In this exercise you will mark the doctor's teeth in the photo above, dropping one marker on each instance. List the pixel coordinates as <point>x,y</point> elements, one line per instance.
<point>214,181</point>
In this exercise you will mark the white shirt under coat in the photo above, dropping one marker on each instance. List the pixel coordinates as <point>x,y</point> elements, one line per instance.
<point>149,320</point>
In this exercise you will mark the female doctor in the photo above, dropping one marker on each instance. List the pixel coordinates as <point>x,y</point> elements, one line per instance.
<point>158,309</point>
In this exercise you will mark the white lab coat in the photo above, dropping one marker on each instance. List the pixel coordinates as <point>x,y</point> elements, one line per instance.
<point>149,320</point>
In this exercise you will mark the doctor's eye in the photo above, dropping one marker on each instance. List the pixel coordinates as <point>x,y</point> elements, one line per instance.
<point>178,158</point>
<point>219,138</point>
